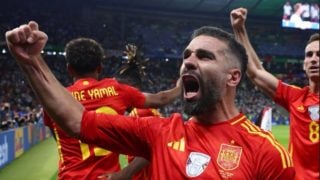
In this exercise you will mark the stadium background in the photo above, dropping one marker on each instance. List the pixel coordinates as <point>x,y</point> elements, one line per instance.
<point>160,29</point>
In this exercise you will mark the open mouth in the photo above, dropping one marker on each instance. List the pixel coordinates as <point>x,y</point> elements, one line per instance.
<point>314,69</point>
<point>191,87</point>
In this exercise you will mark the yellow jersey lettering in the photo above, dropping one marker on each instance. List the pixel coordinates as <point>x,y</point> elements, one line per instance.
<point>102,92</point>
<point>78,95</point>
<point>90,93</point>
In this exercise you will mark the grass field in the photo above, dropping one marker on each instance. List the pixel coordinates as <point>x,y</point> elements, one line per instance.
<point>281,132</point>
<point>40,162</point>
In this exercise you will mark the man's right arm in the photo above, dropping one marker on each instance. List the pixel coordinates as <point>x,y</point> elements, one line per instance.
<point>129,171</point>
<point>25,44</point>
<point>162,98</point>
<point>255,71</point>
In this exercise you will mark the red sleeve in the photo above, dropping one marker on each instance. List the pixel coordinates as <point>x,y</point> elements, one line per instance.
<point>122,134</point>
<point>286,93</point>
<point>134,97</point>
<point>144,112</point>
<point>274,162</point>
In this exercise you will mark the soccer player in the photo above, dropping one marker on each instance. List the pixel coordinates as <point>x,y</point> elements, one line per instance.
<point>302,103</point>
<point>132,73</point>
<point>141,170</point>
<point>217,142</point>
<point>79,160</point>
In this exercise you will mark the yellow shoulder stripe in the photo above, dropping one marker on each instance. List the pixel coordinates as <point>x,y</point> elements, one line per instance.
<point>252,129</point>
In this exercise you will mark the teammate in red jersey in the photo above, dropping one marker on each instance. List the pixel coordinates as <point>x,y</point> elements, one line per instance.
<point>79,160</point>
<point>302,103</point>
<point>133,72</point>
<point>218,142</point>
<point>141,170</point>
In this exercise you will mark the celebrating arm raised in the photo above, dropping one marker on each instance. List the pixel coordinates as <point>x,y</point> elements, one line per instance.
<point>25,44</point>
<point>257,74</point>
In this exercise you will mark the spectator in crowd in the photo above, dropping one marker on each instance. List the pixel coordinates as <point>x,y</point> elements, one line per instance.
<point>301,103</point>
<point>213,64</point>
<point>133,72</point>
<point>6,117</point>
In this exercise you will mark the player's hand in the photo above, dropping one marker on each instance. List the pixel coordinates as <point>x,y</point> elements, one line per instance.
<point>131,51</point>
<point>26,41</point>
<point>115,176</point>
<point>238,17</point>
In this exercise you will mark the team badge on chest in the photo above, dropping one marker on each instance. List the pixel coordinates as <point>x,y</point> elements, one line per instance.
<point>314,112</point>
<point>229,156</point>
<point>196,163</point>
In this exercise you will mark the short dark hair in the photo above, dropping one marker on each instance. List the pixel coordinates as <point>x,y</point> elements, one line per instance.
<point>313,37</point>
<point>236,48</point>
<point>84,55</point>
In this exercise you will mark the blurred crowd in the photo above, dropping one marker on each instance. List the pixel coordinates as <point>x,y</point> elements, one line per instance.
<point>19,106</point>
<point>160,38</point>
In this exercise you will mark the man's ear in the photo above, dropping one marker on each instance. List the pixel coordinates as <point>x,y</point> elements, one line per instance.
<point>234,77</point>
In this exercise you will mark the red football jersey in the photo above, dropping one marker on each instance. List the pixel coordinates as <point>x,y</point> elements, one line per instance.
<point>139,112</point>
<point>79,160</point>
<point>234,149</point>
<point>303,107</point>
<point>143,174</point>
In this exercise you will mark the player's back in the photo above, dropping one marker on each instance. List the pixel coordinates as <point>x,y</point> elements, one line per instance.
<point>79,160</point>
<point>107,94</point>
<point>143,174</point>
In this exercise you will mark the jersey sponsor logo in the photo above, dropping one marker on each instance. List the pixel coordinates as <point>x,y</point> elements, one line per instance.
<point>314,112</point>
<point>197,162</point>
<point>229,156</point>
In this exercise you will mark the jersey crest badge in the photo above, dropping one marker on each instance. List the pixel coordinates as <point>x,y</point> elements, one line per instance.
<point>314,112</point>
<point>197,163</point>
<point>229,156</point>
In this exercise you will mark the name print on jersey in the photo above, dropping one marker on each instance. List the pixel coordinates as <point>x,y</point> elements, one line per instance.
<point>96,93</point>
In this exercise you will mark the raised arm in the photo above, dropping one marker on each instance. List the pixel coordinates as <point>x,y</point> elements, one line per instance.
<point>163,97</point>
<point>136,62</point>
<point>257,74</point>
<point>25,44</point>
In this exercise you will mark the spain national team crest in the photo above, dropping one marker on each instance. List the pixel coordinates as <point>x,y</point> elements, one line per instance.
<point>197,163</point>
<point>229,156</point>
<point>314,112</point>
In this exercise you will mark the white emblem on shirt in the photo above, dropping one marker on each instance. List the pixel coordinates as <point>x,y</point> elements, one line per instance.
<point>314,112</point>
<point>197,163</point>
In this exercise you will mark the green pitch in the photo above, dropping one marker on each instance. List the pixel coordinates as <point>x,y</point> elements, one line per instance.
<point>40,162</point>
<point>281,132</point>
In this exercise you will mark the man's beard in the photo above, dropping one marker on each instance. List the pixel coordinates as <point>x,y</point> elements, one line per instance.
<point>210,96</point>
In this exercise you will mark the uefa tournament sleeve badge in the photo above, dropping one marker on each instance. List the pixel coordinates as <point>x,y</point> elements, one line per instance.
<point>197,162</point>
<point>314,112</point>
